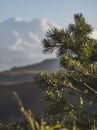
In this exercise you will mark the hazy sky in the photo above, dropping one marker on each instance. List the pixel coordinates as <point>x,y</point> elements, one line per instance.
<point>57,11</point>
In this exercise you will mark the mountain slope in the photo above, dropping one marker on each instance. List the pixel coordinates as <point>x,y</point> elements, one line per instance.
<point>20,80</point>
<point>27,73</point>
<point>48,65</point>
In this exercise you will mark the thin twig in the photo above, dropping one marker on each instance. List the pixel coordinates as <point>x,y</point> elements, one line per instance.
<point>90,88</point>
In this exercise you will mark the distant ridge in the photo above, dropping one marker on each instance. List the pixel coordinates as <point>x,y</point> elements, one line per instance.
<point>48,65</point>
<point>27,73</point>
<point>20,80</point>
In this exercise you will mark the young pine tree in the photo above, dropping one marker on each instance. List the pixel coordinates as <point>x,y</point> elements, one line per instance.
<point>77,52</point>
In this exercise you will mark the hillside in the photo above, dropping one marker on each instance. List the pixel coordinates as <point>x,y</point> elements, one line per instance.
<point>20,80</point>
<point>27,73</point>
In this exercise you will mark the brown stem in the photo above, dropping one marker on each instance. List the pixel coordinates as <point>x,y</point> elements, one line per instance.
<point>90,88</point>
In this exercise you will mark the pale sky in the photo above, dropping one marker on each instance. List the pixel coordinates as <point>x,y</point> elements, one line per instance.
<point>57,11</point>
